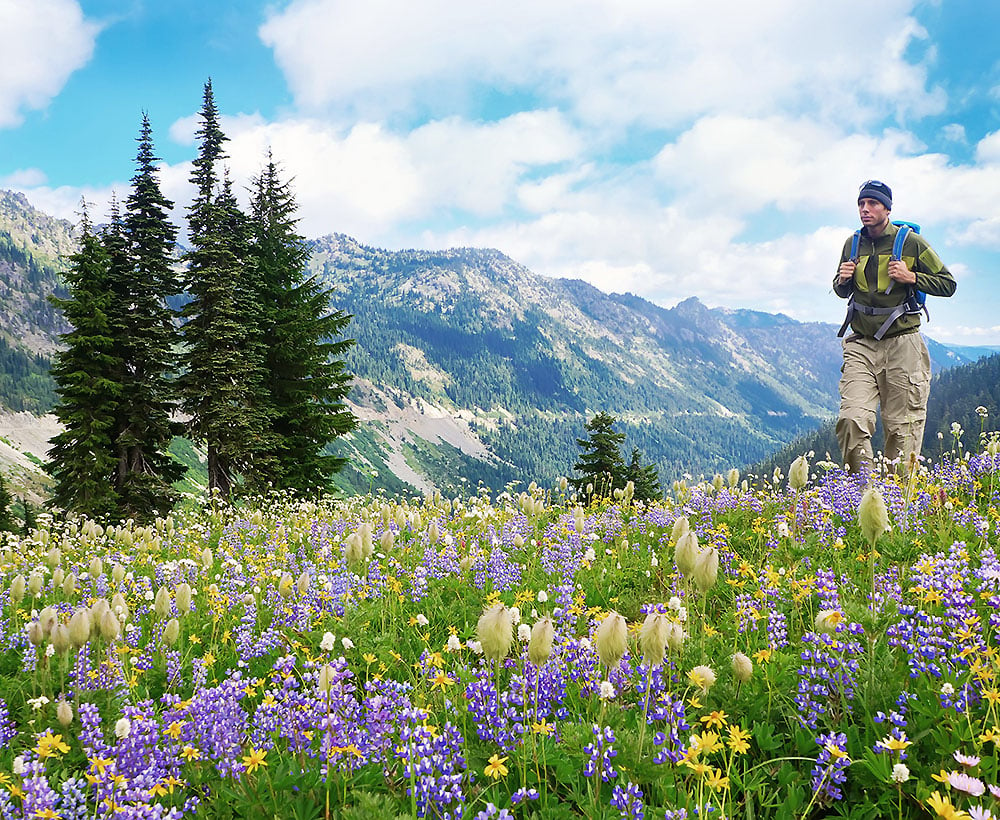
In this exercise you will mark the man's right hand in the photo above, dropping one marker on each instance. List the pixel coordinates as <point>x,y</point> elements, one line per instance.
<point>846,271</point>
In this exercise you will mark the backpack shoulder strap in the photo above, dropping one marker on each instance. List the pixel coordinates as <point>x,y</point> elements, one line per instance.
<point>855,245</point>
<point>897,247</point>
<point>897,243</point>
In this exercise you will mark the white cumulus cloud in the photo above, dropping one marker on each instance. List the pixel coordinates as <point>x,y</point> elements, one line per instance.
<point>42,42</point>
<point>609,62</point>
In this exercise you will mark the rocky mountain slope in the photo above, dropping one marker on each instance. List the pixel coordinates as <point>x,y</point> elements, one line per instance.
<point>513,364</point>
<point>471,368</point>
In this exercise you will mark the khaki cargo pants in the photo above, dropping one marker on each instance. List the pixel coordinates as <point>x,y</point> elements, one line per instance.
<point>893,373</point>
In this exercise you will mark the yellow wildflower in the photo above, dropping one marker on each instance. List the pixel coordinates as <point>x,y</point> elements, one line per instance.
<point>943,808</point>
<point>894,744</point>
<point>100,764</point>
<point>495,768</point>
<point>442,681</point>
<point>716,718</point>
<point>699,768</point>
<point>543,728</point>
<point>835,751</point>
<point>738,738</point>
<point>717,781</point>
<point>174,729</point>
<point>50,745</point>
<point>990,735</point>
<point>706,742</point>
<point>255,759</point>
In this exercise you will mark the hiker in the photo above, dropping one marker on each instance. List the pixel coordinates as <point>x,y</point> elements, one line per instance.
<point>885,270</point>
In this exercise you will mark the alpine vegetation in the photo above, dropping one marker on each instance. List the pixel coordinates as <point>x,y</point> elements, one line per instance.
<point>517,655</point>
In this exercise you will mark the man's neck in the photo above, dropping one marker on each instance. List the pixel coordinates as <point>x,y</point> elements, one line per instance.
<point>875,231</point>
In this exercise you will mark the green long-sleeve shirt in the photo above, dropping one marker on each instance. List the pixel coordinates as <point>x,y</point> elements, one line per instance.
<point>933,278</point>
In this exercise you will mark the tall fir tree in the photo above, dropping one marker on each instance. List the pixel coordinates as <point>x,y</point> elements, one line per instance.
<point>30,521</point>
<point>146,472</point>
<point>305,379</point>
<point>644,477</point>
<point>87,374</point>
<point>600,463</point>
<point>222,378</point>
<point>6,515</point>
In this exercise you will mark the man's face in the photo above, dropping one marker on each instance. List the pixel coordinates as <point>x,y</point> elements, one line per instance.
<point>872,212</point>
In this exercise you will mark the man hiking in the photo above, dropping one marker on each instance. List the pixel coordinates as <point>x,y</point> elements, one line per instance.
<point>885,269</point>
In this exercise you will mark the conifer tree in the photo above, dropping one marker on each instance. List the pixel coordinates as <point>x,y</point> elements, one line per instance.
<point>221,386</point>
<point>305,379</point>
<point>6,516</point>
<point>87,371</point>
<point>600,463</point>
<point>645,478</point>
<point>30,521</point>
<point>145,471</point>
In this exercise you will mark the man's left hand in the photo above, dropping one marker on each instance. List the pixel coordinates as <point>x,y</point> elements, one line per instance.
<point>898,272</point>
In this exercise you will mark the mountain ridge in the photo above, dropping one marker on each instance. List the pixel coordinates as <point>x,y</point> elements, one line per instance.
<point>468,364</point>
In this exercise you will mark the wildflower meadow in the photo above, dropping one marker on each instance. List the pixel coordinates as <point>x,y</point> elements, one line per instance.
<point>805,647</point>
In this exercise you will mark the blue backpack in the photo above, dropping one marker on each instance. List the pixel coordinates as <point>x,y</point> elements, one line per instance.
<point>916,300</point>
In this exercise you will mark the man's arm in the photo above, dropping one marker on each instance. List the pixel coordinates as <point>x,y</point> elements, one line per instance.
<point>843,282</point>
<point>929,273</point>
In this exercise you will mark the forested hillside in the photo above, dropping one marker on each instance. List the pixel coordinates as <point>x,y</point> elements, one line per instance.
<point>33,247</point>
<point>522,361</point>
<point>470,368</point>
<point>956,396</point>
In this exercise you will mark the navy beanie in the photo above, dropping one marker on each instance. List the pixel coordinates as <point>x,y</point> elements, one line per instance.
<point>873,189</point>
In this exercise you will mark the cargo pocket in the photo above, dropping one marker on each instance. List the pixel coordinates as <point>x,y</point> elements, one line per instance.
<point>919,391</point>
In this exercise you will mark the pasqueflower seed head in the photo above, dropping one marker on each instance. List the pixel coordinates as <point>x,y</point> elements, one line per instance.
<point>540,645</point>
<point>798,473</point>
<point>873,516</point>
<point>742,667</point>
<point>611,639</point>
<point>495,631</point>
<point>653,638</point>
<point>706,569</point>
<point>686,553</point>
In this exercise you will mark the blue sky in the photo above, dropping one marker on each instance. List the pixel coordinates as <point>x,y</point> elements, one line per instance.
<point>667,149</point>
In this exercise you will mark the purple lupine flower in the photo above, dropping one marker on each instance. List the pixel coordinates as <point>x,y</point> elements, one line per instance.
<point>601,752</point>
<point>829,772</point>
<point>522,794</point>
<point>8,731</point>
<point>628,801</point>
<point>437,768</point>
<point>777,629</point>
<point>491,812</point>
<point>828,670</point>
